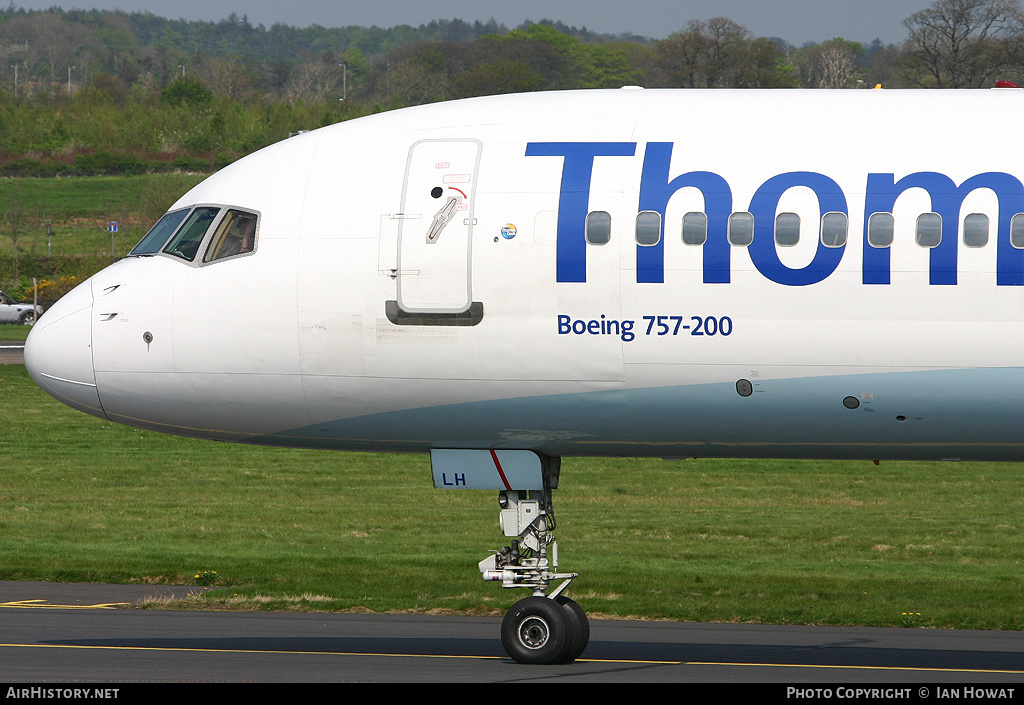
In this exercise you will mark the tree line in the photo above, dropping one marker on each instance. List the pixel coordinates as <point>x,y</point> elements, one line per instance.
<point>89,92</point>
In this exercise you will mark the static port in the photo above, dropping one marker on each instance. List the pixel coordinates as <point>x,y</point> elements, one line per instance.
<point>901,418</point>
<point>851,402</point>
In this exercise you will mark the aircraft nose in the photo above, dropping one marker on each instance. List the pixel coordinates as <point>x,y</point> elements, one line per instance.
<point>58,351</point>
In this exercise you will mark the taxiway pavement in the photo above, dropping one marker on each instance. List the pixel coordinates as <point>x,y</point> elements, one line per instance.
<point>12,353</point>
<point>62,633</point>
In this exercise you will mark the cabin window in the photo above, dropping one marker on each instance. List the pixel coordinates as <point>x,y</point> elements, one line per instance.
<point>741,229</point>
<point>159,233</point>
<point>787,229</point>
<point>834,227</point>
<point>880,229</point>
<point>235,235</point>
<point>185,243</point>
<point>599,228</point>
<point>1017,231</point>
<point>695,228</point>
<point>976,230</point>
<point>929,230</point>
<point>648,228</point>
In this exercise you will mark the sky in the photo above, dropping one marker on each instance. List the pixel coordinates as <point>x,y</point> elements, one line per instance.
<point>796,21</point>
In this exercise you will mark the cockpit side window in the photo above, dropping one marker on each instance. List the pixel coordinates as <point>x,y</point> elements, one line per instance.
<point>235,235</point>
<point>185,243</point>
<point>159,233</point>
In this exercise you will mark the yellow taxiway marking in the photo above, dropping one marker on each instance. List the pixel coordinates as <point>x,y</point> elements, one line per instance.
<point>502,658</point>
<point>854,668</point>
<point>43,604</point>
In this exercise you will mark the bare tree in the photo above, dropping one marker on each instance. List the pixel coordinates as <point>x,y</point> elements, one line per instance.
<point>226,75</point>
<point>53,44</point>
<point>831,64</point>
<point>726,52</point>
<point>962,43</point>
<point>712,54</point>
<point>313,81</point>
<point>838,65</point>
<point>414,84</point>
<point>680,57</point>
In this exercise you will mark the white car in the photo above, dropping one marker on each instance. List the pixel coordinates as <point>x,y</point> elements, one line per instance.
<point>13,312</point>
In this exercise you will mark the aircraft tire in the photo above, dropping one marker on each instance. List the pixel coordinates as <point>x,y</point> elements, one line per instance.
<point>579,627</point>
<point>535,631</point>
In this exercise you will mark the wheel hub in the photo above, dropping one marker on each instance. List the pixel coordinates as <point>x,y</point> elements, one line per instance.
<point>533,632</point>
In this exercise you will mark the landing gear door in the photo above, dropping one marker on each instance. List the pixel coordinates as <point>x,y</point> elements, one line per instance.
<point>435,240</point>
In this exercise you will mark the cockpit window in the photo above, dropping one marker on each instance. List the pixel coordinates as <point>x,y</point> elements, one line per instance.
<point>235,235</point>
<point>159,233</point>
<point>185,243</point>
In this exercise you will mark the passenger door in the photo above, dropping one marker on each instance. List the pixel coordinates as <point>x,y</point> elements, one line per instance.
<point>435,240</point>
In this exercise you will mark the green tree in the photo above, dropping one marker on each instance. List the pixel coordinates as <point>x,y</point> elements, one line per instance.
<point>498,77</point>
<point>579,64</point>
<point>768,66</point>
<point>187,91</point>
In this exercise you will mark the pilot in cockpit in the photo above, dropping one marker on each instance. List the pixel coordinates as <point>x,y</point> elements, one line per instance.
<point>240,240</point>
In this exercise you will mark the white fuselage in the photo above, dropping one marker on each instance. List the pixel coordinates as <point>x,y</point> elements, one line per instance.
<point>424,279</point>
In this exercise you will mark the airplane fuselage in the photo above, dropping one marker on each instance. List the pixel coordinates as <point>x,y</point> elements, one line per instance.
<point>628,273</point>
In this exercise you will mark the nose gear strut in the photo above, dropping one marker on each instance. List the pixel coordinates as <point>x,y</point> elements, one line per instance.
<point>543,628</point>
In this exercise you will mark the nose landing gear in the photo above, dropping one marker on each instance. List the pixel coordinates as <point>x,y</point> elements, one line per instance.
<point>540,629</point>
<point>546,627</point>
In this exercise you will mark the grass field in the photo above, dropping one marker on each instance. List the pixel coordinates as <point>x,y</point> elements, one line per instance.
<point>913,544</point>
<point>79,209</point>
<point>14,332</point>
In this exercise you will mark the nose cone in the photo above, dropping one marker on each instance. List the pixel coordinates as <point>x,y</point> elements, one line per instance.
<point>58,352</point>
